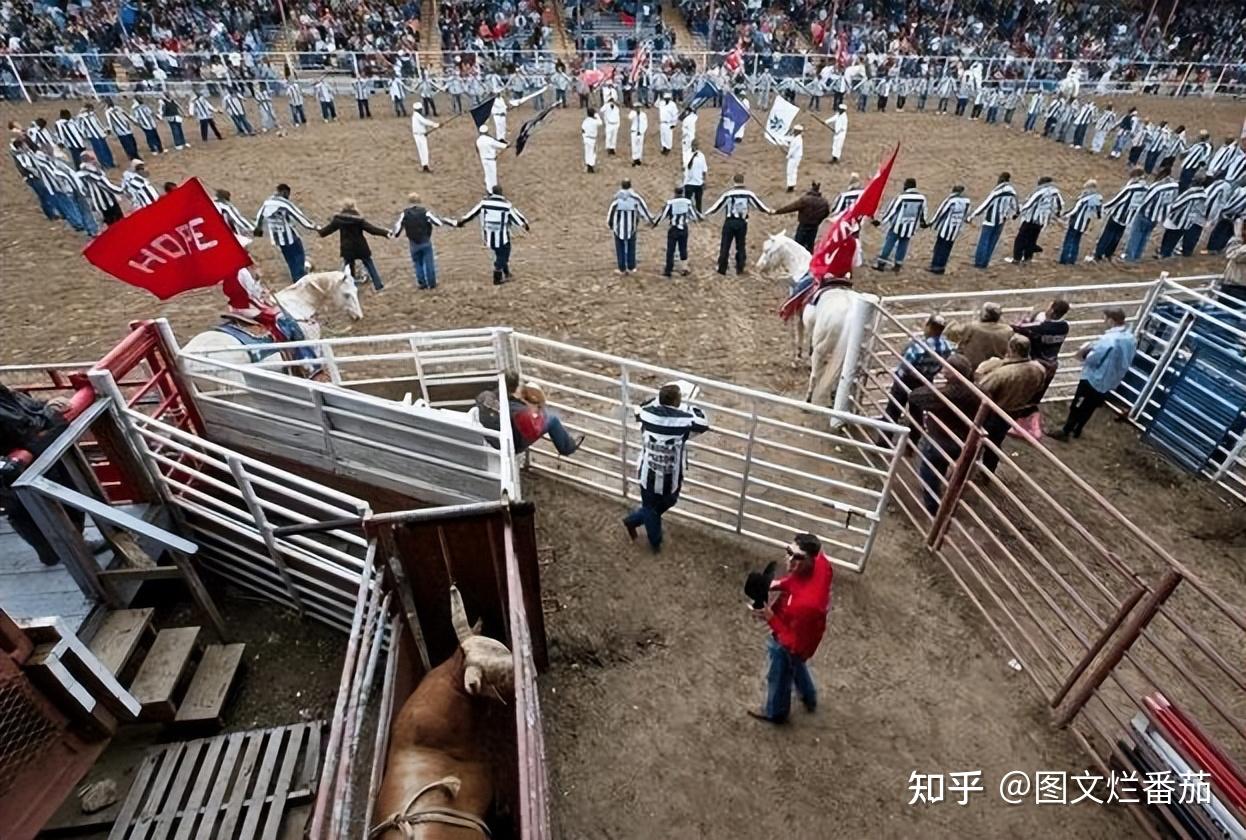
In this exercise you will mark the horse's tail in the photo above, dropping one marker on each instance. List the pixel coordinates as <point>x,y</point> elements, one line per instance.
<point>829,348</point>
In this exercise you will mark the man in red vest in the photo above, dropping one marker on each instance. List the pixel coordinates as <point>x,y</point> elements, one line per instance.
<point>800,601</point>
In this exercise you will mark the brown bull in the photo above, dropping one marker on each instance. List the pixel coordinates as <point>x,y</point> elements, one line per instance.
<point>438,780</point>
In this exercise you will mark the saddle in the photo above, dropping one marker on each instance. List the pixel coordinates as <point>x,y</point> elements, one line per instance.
<point>271,325</point>
<point>806,292</point>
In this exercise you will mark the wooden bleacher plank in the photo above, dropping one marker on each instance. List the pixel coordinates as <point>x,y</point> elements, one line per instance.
<point>213,677</point>
<point>119,637</point>
<point>162,671</point>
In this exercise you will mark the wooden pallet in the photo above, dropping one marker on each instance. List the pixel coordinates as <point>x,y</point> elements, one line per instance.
<point>231,787</point>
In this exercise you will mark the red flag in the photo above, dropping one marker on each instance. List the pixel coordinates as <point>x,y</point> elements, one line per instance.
<point>830,256</point>
<point>176,244</point>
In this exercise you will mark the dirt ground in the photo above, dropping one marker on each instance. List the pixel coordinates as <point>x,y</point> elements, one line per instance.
<point>654,661</point>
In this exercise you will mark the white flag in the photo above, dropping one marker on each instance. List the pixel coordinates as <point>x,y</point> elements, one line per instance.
<point>782,115</point>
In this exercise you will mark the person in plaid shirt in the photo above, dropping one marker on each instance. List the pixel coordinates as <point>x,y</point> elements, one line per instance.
<point>920,365</point>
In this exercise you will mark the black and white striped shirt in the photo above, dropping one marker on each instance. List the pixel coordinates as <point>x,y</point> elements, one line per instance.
<point>845,200</point>
<point>139,189</point>
<point>1159,140</point>
<point>625,213</point>
<point>56,176</point>
<point>262,93</point>
<point>69,134</point>
<point>294,93</point>
<point>1042,204</point>
<point>201,108</point>
<point>1235,205</point>
<point>24,159</point>
<point>1237,168</point>
<point>1220,159</point>
<point>1197,156</point>
<point>1085,114</point>
<point>41,137</point>
<point>280,214</point>
<point>497,215</point>
<point>143,115</point>
<point>324,92</point>
<point>119,121</point>
<point>99,189</point>
<point>237,222</point>
<point>1218,193</point>
<point>232,103</point>
<point>89,121</point>
<point>998,206</point>
<point>1106,120</point>
<point>1126,202</point>
<point>1155,203</point>
<point>949,218</point>
<point>679,211</point>
<point>1187,210</point>
<point>363,88</point>
<point>1089,205</point>
<point>736,202</point>
<point>664,433</point>
<point>905,212</point>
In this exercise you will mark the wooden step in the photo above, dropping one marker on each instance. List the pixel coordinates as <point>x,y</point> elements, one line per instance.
<point>205,699</point>
<point>119,636</point>
<point>163,671</point>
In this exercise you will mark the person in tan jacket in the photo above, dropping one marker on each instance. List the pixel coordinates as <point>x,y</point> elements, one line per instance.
<point>1014,383</point>
<point>986,338</point>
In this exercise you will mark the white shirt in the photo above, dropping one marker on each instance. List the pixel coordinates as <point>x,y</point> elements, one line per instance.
<point>668,113</point>
<point>499,107</point>
<point>795,146</point>
<point>694,175</point>
<point>488,147</point>
<point>838,123</point>
<point>589,127</point>
<point>611,112</point>
<point>639,123</point>
<point>688,129</point>
<point>420,125</point>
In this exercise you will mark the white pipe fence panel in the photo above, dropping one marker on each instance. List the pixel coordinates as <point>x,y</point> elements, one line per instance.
<point>770,466</point>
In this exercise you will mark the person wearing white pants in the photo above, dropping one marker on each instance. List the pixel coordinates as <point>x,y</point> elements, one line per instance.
<point>688,133</point>
<point>638,124</point>
<point>668,115</point>
<point>795,143</point>
<point>588,133</point>
<point>839,131</point>
<point>488,149</point>
<point>612,117</point>
<point>420,126</point>
<point>499,117</point>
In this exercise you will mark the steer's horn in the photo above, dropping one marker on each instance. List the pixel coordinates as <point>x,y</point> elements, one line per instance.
<point>458,615</point>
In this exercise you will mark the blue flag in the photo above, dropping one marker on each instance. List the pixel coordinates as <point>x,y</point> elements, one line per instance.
<point>706,93</point>
<point>734,115</point>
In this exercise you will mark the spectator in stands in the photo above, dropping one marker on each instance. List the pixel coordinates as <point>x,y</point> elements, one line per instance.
<point>1104,365</point>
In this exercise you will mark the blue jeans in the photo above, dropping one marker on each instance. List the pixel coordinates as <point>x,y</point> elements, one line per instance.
<point>649,514</point>
<point>900,244</point>
<point>76,155</point>
<point>502,258</point>
<point>939,257</point>
<point>987,240</point>
<point>295,258</point>
<point>46,203</point>
<point>103,152</point>
<point>328,110</point>
<point>559,435</point>
<point>241,124</point>
<point>89,225</point>
<point>1220,236</point>
<point>425,265</point>
<point>153,140</point>
<point>786,671</point>
<point>625,253</point>
<point>1138,236</point>
<point>297,115</point>
<point>1030,120</point>
<point>179,136</point>
<point>128,145</point>
<point>370,267</point>
<point>1109,239</point>
<point>67,206</point>
<point>1072,244</point>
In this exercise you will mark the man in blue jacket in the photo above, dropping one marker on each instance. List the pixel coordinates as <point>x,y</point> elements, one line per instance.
<point>1105,364</point>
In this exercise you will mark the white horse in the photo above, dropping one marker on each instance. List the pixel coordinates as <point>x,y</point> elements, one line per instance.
<point>1071,84</point>
<point>826,323</point>
<point>302,301</point>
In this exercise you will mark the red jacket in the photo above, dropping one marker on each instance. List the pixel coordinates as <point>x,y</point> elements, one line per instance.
<point>799,620</point>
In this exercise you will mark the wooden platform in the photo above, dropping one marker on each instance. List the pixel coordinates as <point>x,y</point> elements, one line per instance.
<point>29,589</point>
<point>205,699</point>
<point>163,670</point>
<point>231,786</point>
<point>118,637</point>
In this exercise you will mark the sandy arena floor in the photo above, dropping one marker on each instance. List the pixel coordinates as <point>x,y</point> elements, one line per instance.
<point>654,661</point>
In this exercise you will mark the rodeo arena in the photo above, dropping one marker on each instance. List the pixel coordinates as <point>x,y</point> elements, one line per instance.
<point>635,420</point>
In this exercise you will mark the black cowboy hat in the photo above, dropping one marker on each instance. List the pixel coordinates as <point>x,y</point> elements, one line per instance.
<point>757,585</point>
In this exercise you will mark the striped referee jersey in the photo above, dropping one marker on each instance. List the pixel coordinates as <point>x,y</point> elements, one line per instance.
<point>905,212</point>
<point>139,189</point>
<point>56,176</point>
<point>90,124</point>
<point>1237,168</point>
<point>232,103</point>
<point>1221,159</point>
<point>1234,206</point>
<point>1000,204</point>
<point>201,108</point>
<point>1106,120</point>
<point>294,93</point>
<point>735,203</point>
<point>69,134</point>
<point>497,216</point>
<point>664,433</point>
<point>1197,156</point>
<point>363,88</point>
<point>1218,193</point>
<point>1044,203</point>
<point>280,214</point>
<point>262,93</point>
<point>99,189</point>
<point>625,213</point>
<point>678,211</point>
<point>119,121</point>
<point>237,222</point>
<point>143,115</point>
<point>1089,205</point>
<point>845,200</point>
<point>1158,197</point>
<point>949,219</point>
<point>41,137</point>
<point>1187,210</point>
<point>1124,204</point>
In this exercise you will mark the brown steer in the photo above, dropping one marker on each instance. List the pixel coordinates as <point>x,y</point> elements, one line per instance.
<point>438,782</point>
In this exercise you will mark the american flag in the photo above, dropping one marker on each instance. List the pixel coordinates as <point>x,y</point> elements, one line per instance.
<point>639,60</point>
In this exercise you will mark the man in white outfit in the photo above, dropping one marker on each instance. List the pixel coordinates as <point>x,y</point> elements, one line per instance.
<point>839,129</point>
<point>795,143</point>
<point>668,115</point>
<point>420,126</point>
<point>612,117</point>
<point>688,133</point>
<point>638,124</point>
<point>588,133</point>
<point>488,149</point>
<point>499,117</point>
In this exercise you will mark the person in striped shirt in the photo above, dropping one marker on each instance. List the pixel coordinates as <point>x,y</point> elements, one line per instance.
<point>497,217</point>
<point>100,191</point>
<point>145,118</point>
<point>999,206</point>
<point>324,95</point>
<point>120,124</point>
<point>279,215</point>
<point>1081,123</point>
<point>1184,221</point>
<point>264,102</point>
<point>294,96</point>
<point>23,153</point>
<point>1044,204</point>
<point>1174,148</point>
<point>735,204</point>
<point>1196,157</point>
<point>363,91</point>
<point>1222,160</point>
<point>1089,205</point>
<point>1151,211</point>
<point>903,216</point>
<point>1157,141</point>
<point>1032,110</point>
<point>59,179</point>
<point>679,211</point>
<point>1103,124</point>
<point>96,135</point>
<point>1120,210</point>
<point>1226,205</point>
<point>398,95</point>
<point>41,136</point>
<point>949,219</point>
<point>232,102</point>
<point>140,190</point>
<point>623,218</point>
<point>237,222</point>
<point>846,198</point>
<point>202,110</point>
<point>666,424</point>
<point>69,135</point>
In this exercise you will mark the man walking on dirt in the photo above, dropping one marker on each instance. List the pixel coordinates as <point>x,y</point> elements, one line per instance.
<point>796,614</point>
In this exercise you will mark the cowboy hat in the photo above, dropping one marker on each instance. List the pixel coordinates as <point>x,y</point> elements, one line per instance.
<point>757,585</point>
